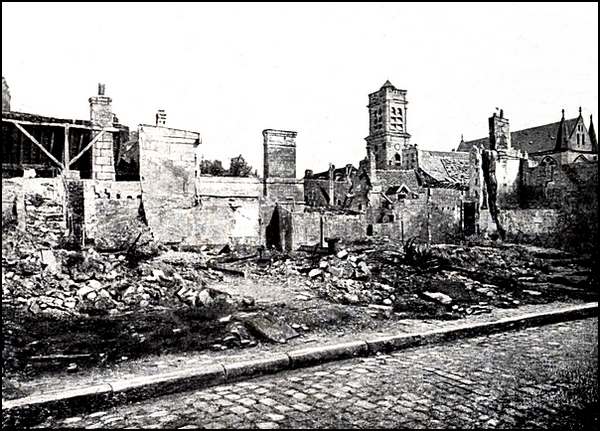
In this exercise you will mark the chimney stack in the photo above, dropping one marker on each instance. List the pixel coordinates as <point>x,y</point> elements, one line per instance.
<point>161,118</point>
<point>499,132</point>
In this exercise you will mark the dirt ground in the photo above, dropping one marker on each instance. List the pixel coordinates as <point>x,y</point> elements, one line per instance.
<point>364,287</point>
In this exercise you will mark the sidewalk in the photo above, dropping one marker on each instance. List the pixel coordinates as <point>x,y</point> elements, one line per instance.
<point>161,364</point>
<point>96,390</point>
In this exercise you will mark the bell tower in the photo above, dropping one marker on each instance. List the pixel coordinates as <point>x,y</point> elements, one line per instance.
<point>388,134</point>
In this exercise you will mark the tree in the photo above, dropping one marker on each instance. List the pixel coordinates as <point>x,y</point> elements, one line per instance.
<point>239,167</point>
<point>212,167</point>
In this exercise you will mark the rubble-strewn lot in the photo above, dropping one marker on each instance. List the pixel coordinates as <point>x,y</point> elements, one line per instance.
<point>445,281</point>
<point>64,309</point>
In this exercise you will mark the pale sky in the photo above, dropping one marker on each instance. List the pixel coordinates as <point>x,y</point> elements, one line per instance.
<point>231,70</point>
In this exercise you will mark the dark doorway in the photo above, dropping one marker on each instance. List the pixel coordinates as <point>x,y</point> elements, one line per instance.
<point>469,218</point>
<point>273,231</point>
<point>370,230</point>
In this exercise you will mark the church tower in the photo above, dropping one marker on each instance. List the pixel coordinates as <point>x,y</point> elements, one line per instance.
<point>388,134</point>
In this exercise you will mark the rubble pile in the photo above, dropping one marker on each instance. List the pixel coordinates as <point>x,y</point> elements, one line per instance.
<point>445,280</point>
<point>62,282</point>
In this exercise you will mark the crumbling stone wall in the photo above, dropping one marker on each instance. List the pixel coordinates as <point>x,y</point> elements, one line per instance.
<point>39,207</point>
<point>550,185</point>
<point>570,190</point>
<point>306,227</point>
<point>445,206</point>
<point>13,202</point>
<point>349,193</point>
<point>168,173</point>
<point>113,213</point>
<point>228,211</point>
<point>434,216</point>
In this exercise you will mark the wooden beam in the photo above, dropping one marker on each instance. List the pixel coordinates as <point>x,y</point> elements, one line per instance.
<point>87,147</point>
<point>66,149</point>
<point>71,125</point>
<point>32,139</point>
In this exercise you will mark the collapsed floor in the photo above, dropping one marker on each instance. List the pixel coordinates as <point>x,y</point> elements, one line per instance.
<point>64,310</point>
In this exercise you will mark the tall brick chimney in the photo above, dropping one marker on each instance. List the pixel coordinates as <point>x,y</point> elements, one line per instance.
<point>101,115</point>
<point>499,132</point>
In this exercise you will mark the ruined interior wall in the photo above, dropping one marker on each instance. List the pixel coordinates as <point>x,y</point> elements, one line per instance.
<point>226,221</point>
<point>508,178</point>
<point>349,227</point>
<point>314,192</point>
<point>408,218</point>
<point>168,167</point>
<point>284,190</point>
<point>562,229</point>
<point>13,202</point>
<point>435,217</point>
<point>306,227</point>
<point>445,215</point>
<point>112,213</point>
<point>40,207</point>
<point>229,211</point>
<point>314,196</point>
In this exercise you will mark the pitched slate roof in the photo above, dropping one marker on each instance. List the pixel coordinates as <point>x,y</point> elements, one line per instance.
<point>444,168</point>
<point>389,178</point>
<point>533,140</point>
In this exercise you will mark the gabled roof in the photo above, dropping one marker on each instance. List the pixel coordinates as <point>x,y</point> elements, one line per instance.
<point>444,168</point>
<point>533,140</point>
<point>397,189</point>
<point>388,178</point>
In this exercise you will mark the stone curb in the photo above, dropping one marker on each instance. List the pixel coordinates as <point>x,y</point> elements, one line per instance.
<point>29,411</point>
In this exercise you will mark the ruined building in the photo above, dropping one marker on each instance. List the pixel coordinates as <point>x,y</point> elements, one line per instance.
<point>565,141</point>
<point>537,184</point>
<point>110,185</point>
<point>96,182</point>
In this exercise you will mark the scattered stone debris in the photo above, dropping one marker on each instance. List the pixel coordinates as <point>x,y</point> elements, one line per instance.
<point>441,280</point>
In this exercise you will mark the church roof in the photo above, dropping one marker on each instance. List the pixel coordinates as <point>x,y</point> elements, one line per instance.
<point>533,140</point>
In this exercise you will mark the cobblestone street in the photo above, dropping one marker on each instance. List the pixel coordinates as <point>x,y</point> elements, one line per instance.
<point>542,377</point>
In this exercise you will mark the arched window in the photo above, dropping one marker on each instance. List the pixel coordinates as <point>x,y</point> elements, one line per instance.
<point>397,159</point>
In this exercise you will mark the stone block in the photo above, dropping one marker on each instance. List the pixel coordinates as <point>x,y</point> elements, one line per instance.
<point>102,160</point>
